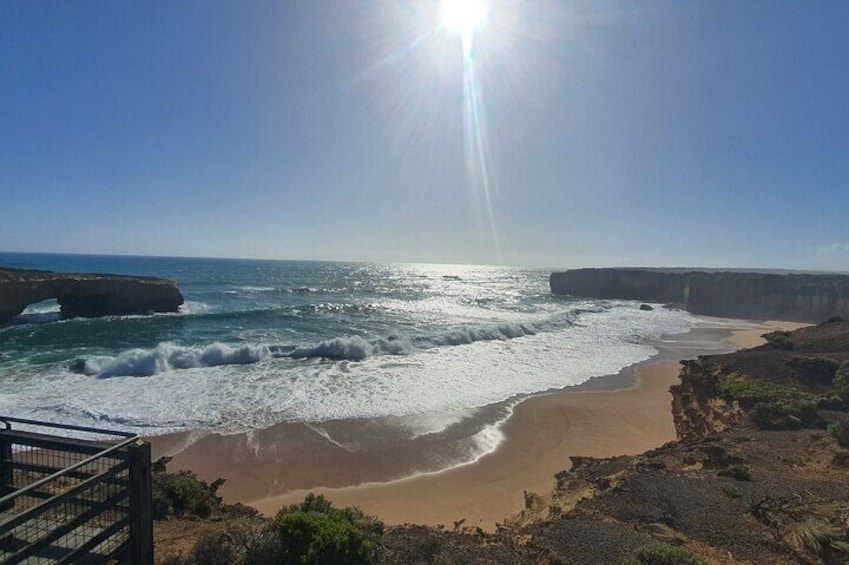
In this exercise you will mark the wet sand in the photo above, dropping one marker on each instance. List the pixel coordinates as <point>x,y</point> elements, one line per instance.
<point>621,414</point>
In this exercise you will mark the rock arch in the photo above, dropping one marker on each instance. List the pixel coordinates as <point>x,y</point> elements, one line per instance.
<point>86,295</point>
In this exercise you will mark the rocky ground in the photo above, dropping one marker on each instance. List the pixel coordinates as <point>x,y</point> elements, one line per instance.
<point>760,475</point>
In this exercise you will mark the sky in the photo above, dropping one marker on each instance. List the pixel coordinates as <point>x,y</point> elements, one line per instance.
<point>575,133</point>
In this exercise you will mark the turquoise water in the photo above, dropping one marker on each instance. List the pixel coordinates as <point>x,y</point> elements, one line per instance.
<point>260,342</point>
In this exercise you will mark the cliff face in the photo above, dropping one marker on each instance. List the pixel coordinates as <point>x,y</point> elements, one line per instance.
<point>86,295</point>
<point>697,409</point>
<point>794,297</point>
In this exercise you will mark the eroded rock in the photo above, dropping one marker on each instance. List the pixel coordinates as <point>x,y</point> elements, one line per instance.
<point>86,295</point>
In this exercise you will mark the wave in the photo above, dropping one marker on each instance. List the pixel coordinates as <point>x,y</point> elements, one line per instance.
<point>335,308</point>
<point>356,348</point>
<point>168,357</point>
<point>194,307</point>
<point>280,312</point>
<point>33,318</point>
<point>302,290</point>
<point>249,288</point>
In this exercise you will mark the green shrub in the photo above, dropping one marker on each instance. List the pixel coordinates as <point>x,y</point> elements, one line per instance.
<point>319,504</point>
<point>840,432</point>
<point>662,554</point>
<point>184,494</point>
<point>814,371</point>
<point>748,392</point>
<point>833,403</point>
<point>314,538</point>
<point>314,532</point>
<point>310,533</point>
<point>841,376</point>
<point>785,416</point>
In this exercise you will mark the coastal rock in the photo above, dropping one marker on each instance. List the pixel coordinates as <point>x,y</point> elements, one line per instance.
<point>86,295</point>
<point>753,295</point>
<point>697,409</point>
<point>646,308</point>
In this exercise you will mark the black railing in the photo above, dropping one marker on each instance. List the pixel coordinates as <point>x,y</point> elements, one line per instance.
<point>76,495</point>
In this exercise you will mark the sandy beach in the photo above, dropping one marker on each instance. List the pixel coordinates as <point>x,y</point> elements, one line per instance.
<point>621,414</point>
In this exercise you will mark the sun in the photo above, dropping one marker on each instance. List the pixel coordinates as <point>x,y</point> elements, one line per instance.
<point>463,17</point>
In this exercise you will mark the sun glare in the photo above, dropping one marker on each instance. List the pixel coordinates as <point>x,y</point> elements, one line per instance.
<point>463,17</point>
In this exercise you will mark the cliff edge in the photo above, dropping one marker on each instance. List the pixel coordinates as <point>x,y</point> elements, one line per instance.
<point>758,474</point>
<point>86,295</point>
<point>751,295</point>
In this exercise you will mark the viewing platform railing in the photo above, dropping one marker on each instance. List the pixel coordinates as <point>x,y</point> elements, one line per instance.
<point>71,494</point>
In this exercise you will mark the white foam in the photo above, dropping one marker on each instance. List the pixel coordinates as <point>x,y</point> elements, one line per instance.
<point>355,348</point>
<point>168,357</point>
<point>50,306</point>
<point>248,288</point>
<point>190,307</point>
<point>212,387</point>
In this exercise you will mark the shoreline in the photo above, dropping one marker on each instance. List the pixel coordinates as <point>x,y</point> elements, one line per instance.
<point>621,414</point>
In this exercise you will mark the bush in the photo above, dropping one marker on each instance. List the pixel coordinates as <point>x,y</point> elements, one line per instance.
<point>244,542</point>
<point>318,504</point>
<point>841,376</point>
<point>815,371</point>
<point>311,538</point>
<point>315,532</point>
<point>840,432</point>
<point>834,403</point>
<point>818,537</point>
<point>184,494</point>
<point>662,554</point>
<point>785,416</point>
<point>748,392</point>
<point>215,550</point>
<point>310,533</point>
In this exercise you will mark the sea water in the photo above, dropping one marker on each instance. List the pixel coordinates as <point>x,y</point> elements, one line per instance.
<point>259,342</point>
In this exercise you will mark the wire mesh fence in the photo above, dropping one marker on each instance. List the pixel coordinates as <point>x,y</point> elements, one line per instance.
<point>79,497</point>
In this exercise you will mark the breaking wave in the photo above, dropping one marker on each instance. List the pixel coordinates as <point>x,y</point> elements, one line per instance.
<point>168,357</point>
<point>356,348</point>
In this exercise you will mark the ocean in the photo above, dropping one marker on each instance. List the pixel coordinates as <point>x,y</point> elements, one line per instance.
<point>261,342</point>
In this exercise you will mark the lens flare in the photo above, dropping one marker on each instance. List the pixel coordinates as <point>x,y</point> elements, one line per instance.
<point>463,17</point>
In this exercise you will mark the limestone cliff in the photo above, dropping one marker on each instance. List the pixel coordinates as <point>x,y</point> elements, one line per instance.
<point>792,297</point>
<point>86,295</point>
<point>697,409</point>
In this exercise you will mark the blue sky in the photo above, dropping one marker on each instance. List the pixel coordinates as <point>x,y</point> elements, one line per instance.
<point>698,133</point>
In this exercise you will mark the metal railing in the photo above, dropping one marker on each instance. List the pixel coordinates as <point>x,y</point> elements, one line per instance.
<point>77,495</point>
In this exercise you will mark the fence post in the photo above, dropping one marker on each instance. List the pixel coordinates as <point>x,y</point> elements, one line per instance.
<point>7,485</point>
<point>141,504</point>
